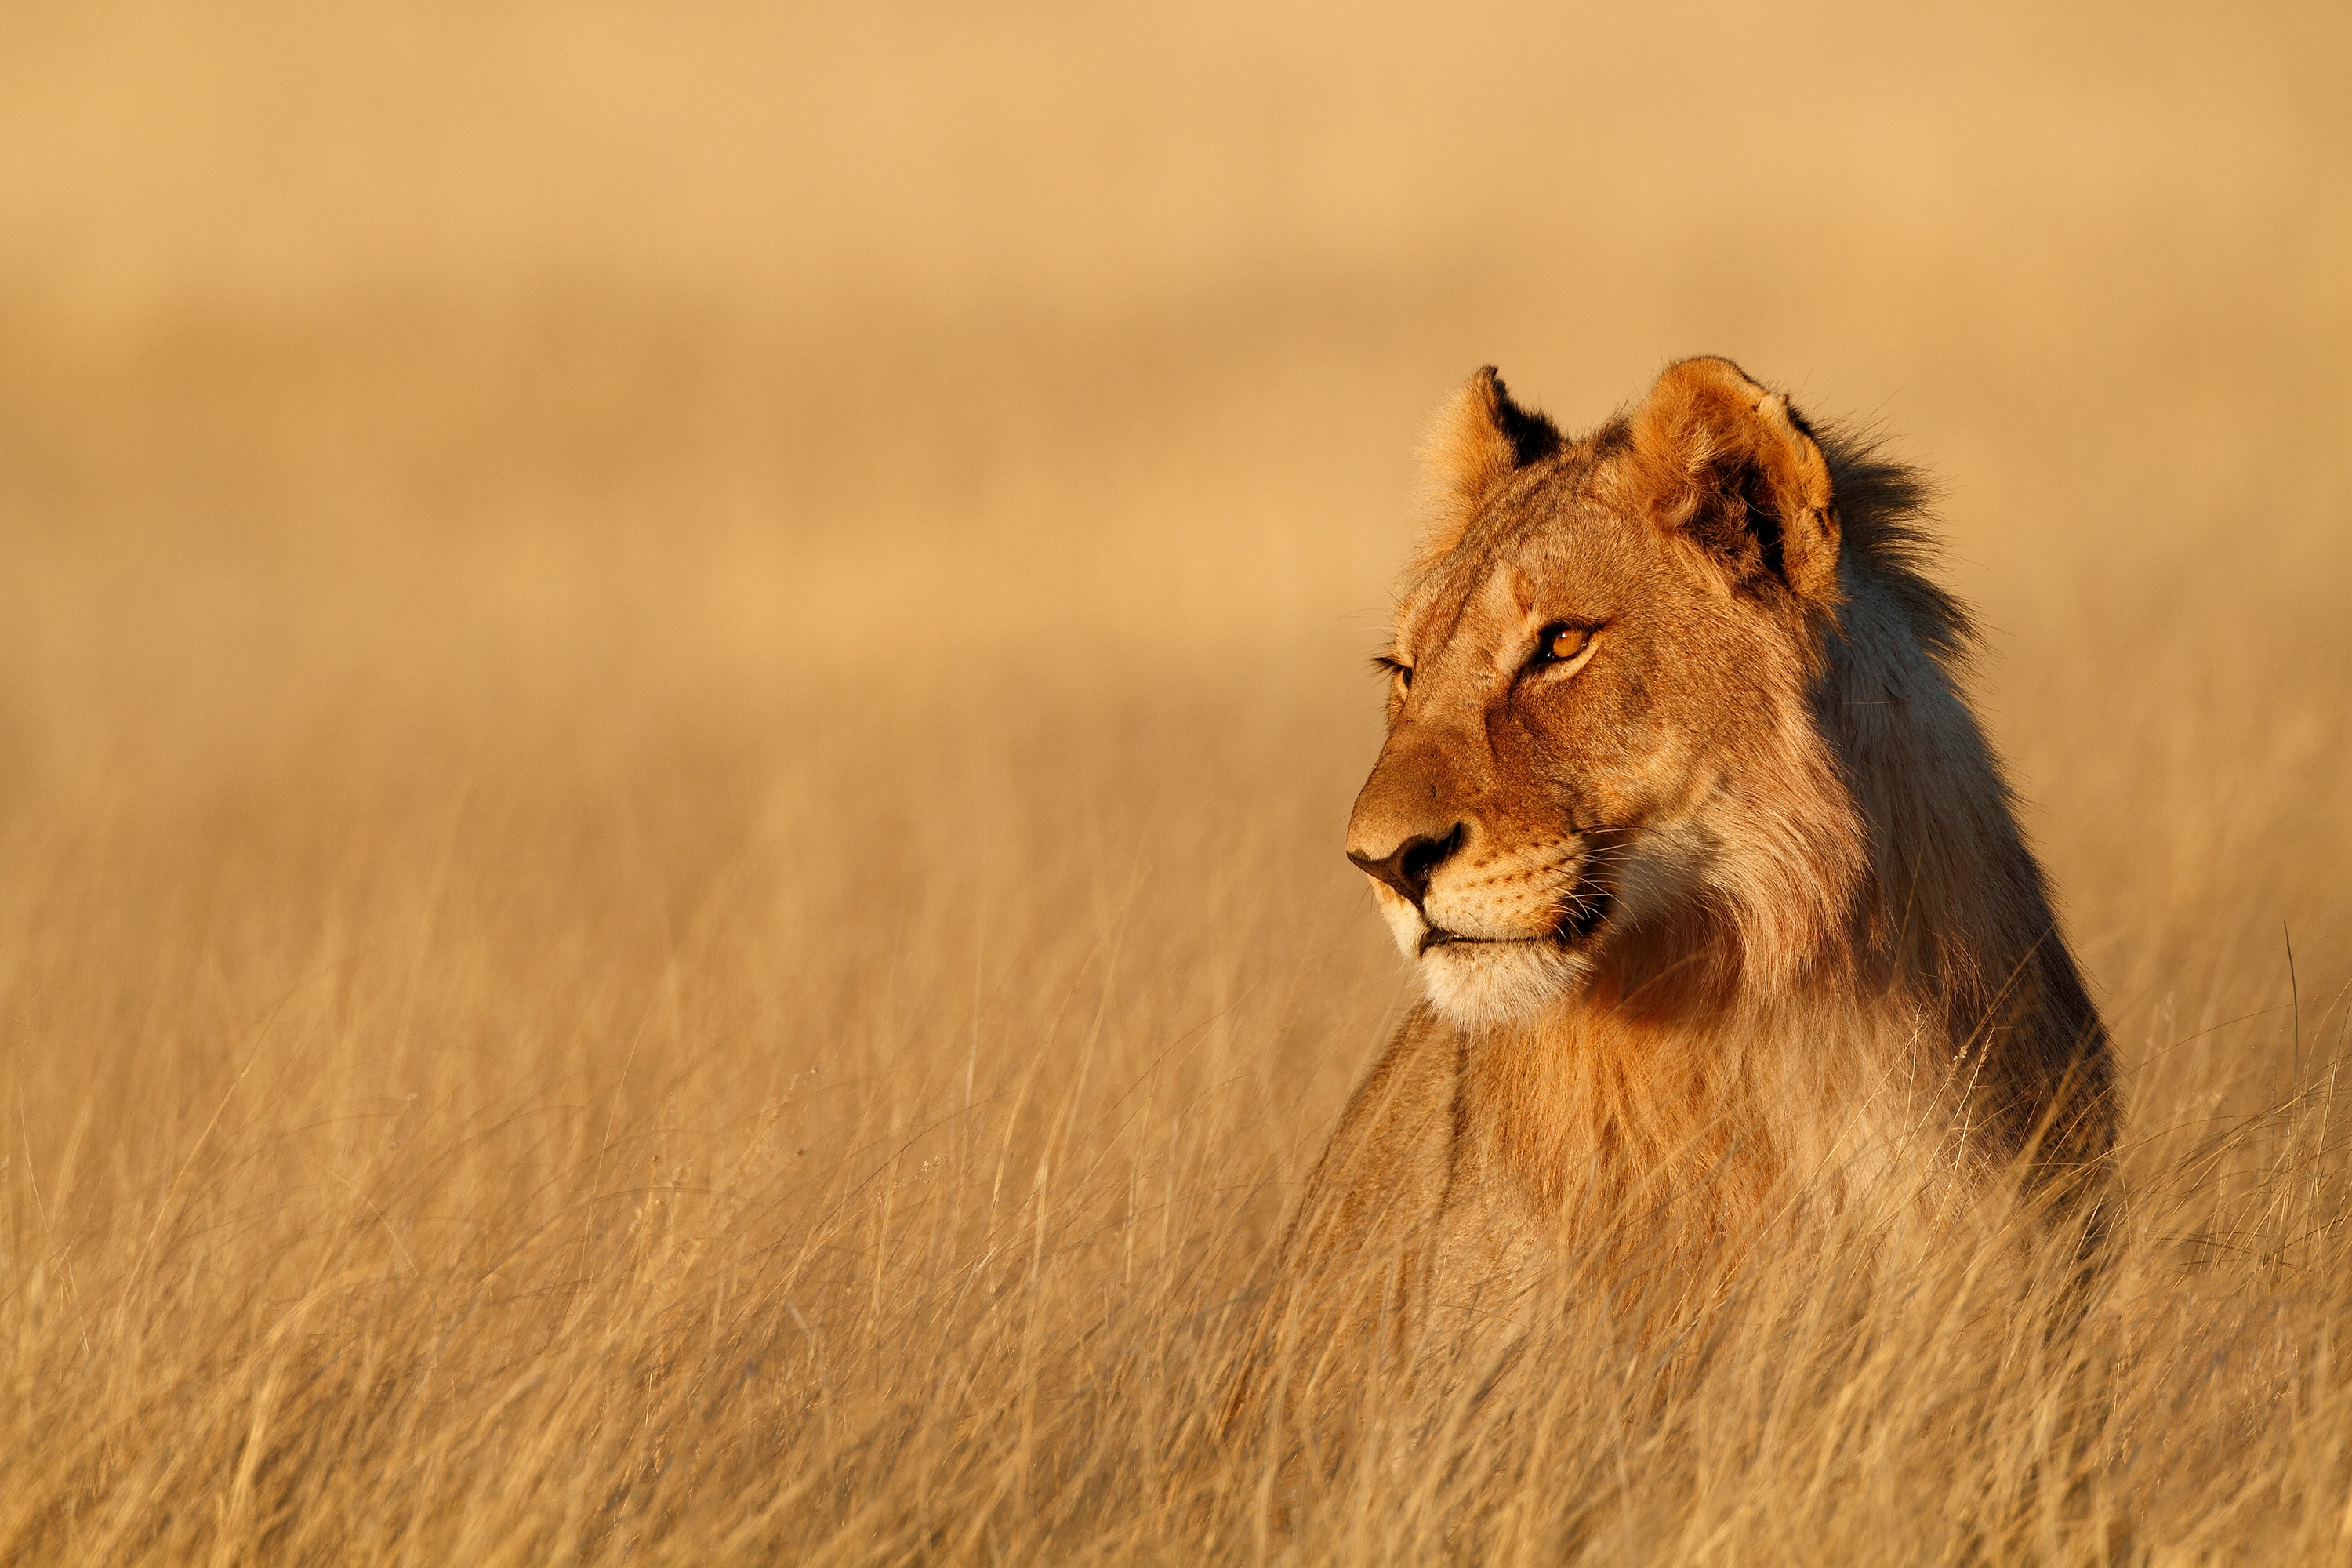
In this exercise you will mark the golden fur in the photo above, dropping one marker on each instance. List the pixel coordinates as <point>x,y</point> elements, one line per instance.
<point>1724,911</point>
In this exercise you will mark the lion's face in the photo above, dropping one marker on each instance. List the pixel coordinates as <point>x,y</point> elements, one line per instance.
<point>1601,764</point>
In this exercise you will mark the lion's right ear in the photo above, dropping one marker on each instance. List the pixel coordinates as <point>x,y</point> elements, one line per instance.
<point>1478,440</point>
<point>1728,465</point>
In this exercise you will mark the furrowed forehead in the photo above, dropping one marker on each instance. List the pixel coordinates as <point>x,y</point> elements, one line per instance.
<point>1553,528</point>
<point>1469,590</point>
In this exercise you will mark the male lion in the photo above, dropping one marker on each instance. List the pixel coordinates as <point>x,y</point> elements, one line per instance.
<point>1709,874</point>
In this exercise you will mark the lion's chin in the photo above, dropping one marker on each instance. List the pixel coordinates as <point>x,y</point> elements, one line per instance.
<point>1477,983</point>
<point>1481,984</point>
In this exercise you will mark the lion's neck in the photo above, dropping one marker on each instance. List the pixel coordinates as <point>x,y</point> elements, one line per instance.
<point>1953,912</point>
<point>1716,1115</point>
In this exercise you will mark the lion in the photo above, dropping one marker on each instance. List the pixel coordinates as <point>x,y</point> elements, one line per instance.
<point>1711,880</point>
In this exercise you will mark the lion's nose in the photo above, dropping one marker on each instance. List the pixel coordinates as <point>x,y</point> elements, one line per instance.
<point>1411,864</point>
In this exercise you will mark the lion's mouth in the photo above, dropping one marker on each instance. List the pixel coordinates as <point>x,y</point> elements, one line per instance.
<point>1586,913</point>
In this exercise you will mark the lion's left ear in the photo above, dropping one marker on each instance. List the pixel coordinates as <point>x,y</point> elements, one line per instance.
<point>1732,467</point>
<point>1479,440</point>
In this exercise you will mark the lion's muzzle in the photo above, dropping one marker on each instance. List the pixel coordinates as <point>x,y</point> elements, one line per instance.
<point>1408,866</point>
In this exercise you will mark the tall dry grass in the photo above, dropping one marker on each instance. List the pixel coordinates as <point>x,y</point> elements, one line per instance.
<point>677,696</point>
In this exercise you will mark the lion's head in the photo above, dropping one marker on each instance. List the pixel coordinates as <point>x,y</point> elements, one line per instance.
<point>1605,767</point>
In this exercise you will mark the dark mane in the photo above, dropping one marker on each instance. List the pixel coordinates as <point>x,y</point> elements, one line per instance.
<point>1884,507</point>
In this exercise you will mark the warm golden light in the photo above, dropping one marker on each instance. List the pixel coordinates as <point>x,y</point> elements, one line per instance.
<point>679,689</point>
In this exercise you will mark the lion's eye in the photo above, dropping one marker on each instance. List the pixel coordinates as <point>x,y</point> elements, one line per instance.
<point>1559,642</point>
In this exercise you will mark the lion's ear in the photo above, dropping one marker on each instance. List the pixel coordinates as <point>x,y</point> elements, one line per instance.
<point>1731,466</point>
<point>1478,439</point>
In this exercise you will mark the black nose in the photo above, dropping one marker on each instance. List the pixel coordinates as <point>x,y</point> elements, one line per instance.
<point>1411,864</point>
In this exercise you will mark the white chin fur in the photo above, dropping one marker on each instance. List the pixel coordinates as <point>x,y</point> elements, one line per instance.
<point>1476,984</point>
<point>1483,984</point>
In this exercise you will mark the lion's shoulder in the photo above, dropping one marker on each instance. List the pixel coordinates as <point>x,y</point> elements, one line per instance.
<point>1385,1170</point>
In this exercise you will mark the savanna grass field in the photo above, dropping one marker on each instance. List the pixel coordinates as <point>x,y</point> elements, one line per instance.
<point>678,690</point>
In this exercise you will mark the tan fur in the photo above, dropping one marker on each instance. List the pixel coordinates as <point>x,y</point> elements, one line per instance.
<point>1746,916</point>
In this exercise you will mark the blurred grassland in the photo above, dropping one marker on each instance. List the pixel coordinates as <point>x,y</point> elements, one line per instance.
<point>678,692</point>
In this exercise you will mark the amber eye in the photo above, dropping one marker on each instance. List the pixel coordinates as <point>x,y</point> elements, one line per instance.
<point>1558,643</point>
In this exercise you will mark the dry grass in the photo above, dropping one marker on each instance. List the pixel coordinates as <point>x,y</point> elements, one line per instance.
<point>677,698</point>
